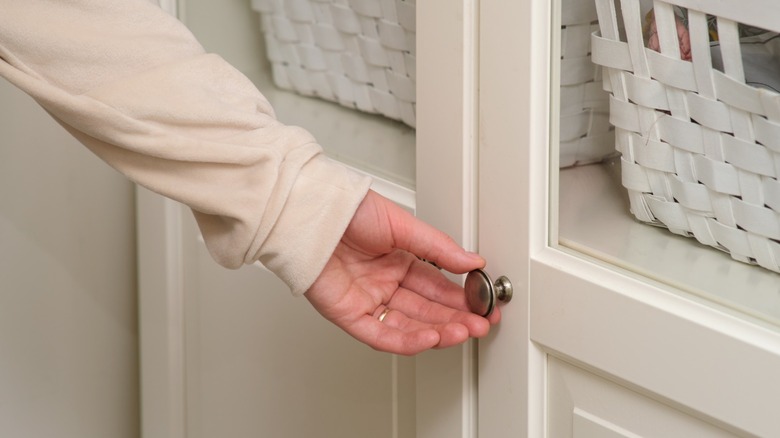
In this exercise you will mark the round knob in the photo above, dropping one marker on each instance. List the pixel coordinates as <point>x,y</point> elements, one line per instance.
<point>482,293</point>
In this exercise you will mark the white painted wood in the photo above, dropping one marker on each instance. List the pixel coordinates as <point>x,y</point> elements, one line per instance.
<point>584,405</point>
<point>446,191</point>
<point>68,327</point>
<point>712,364</point>
<point>512,158</point>
<point>231,353</point>
<point>683,351</point>
<point>161,310</point>
<point>262,363</point>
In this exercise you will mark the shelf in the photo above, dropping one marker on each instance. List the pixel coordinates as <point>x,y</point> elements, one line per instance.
<point>594,219</point>
<point>371,143</point>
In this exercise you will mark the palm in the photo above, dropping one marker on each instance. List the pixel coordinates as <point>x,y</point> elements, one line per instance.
<point>376,267</point>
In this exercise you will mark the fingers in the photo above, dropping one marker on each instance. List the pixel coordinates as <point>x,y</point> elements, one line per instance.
<point>399,334</point>
<point>420,309</point>
<point>410,324</point>
<point>380,336</point>
<point>424,241</point>
<point>429,282</point>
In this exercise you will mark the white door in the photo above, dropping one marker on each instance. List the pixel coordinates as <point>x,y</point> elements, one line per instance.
<point>593,344</point>
<point>231,353</point>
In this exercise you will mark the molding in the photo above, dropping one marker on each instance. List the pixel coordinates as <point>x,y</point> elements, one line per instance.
<point>711,352</point>
<point>161,316</point>
<point>446,159</point>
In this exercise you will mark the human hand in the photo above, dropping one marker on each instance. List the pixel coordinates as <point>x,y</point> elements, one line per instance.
<point>375,273</point>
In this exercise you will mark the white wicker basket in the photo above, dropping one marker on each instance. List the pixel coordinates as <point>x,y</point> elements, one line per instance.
<point>360,53</point>
<point>701,148</point>
<point>585,133</point>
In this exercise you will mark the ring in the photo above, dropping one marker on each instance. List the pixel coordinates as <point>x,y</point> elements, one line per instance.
<point>384,313</point>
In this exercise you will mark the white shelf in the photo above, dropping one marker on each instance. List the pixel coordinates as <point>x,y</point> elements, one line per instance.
<point>371,143</point>
<point>594,219</point>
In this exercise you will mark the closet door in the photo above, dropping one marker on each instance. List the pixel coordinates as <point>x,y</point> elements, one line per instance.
<point>231,353</point>
<point>592,345</point>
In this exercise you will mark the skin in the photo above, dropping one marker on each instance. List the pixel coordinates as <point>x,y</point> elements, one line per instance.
<point>377,265</point>
<point>682,36</point>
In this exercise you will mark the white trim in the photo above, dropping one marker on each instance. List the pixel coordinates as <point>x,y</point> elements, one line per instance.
<point>176,329</point>
<point>471,125</point>
<point>514,134</point>
<point>570,292</point>
<point>470,209</point>
<point>711,353</point>
<point>161,316</point>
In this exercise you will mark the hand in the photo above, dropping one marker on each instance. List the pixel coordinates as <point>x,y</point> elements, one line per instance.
<point>375,267</point>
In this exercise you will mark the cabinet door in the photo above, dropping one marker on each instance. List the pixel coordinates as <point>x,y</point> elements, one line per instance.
<point>580,329</point>
<point>231,353</point>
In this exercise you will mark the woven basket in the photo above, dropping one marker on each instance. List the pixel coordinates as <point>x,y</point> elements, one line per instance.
<point>586,135</point>
<point>359,53</point>
<point>700,148</point>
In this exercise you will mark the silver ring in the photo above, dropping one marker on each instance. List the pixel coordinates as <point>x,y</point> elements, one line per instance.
<point>384,313</point>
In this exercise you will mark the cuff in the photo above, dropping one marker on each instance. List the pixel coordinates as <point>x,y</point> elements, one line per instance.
<point>314,217</point>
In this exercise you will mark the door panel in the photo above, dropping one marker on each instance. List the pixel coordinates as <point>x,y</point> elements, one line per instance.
<point>584,405</point>
<point>231,351</point>
<point>262,363</point>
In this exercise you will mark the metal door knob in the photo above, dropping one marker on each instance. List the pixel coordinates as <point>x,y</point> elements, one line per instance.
<point>482,293</point>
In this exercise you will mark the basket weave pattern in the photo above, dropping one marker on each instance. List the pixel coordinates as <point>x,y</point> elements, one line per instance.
<point>360,53</point>
<point>585,133</point>
<point>700,148</point>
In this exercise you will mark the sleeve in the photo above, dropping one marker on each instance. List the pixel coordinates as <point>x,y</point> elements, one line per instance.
<point>136,88</point>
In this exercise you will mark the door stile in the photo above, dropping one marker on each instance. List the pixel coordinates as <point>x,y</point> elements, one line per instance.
<point>513,193</point>
<point>447,135</point>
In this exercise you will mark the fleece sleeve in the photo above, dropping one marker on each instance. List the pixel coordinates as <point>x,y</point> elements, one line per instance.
<point>135,87</point>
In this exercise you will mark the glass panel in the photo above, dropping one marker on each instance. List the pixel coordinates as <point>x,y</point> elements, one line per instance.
<point>377,145</point>
<point>696,146</point>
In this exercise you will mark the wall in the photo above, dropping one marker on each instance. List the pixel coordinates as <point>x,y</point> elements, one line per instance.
<point>68,321</point>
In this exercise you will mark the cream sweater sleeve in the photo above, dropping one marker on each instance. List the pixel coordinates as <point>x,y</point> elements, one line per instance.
<point>134,86</point>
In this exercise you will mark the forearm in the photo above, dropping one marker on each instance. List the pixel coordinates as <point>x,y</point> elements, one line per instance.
<point>135,87</point>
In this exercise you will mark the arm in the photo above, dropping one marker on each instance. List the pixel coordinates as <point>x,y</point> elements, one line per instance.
<point>133,85</point>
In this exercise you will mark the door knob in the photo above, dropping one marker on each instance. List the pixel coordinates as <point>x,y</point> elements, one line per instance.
<point>482,293</point>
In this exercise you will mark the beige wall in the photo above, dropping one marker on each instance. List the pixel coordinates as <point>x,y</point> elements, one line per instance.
<point>68,343</point>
